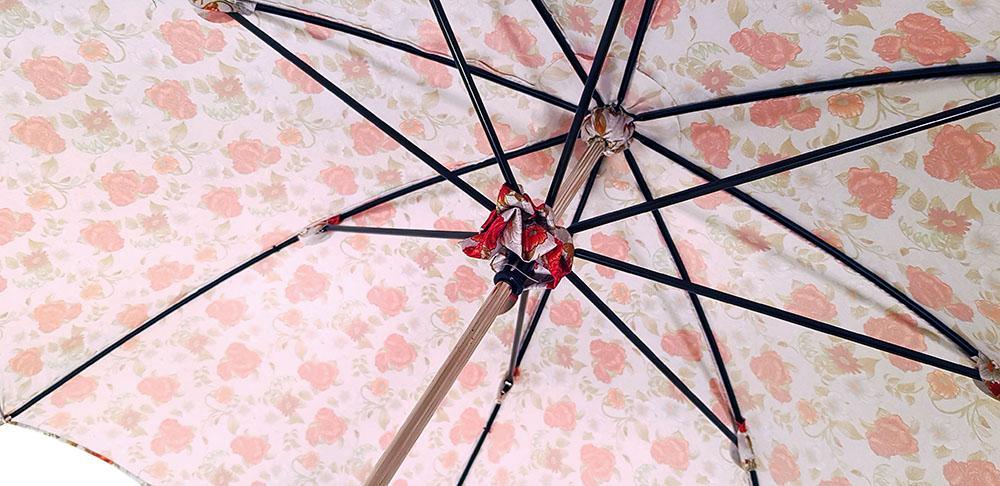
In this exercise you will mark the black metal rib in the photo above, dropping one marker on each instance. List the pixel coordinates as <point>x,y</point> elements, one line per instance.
<point>967,347</point>
<point>811,157</point>
<point>409,49</point>
<point>417,233</point>
<point>146,325</point>
<point>496,406</point>
<point>406,190</point>
<point>584,106</point>
<point>781,314</point>
<point>713,345</point>
<point>650,355</point>
<point>477,100</point>
<point>633,54</point>
<point>953,70</point>
<point>364,112</point>
<point>564,46</point>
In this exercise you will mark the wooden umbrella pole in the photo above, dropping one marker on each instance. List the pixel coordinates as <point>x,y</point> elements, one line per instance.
<point>496,302</point>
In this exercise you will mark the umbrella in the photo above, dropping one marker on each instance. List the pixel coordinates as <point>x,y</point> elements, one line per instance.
<point>777,262</point>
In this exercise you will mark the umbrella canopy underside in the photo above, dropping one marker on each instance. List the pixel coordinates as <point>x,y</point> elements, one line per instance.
<point>151,150</point>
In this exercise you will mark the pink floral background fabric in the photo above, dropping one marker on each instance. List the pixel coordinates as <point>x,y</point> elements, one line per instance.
<point>148,150</point>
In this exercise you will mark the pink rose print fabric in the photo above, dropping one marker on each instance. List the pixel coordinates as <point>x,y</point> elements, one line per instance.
<point>148,150</point>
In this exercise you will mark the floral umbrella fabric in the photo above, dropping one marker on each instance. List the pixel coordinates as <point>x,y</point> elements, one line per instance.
<point>148,150</point>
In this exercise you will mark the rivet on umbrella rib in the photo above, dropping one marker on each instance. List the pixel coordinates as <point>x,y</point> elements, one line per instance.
<point>633,54</point>
<point>477,101</point>
<point>650,355</point>
<point>363,111</point>
<point>951,70</point>
<point>811,157</point>
<point>564,46</point>
<point>583,107</point>
<point>318,20</point>
<point>822,244</point>
<point>780,314</point>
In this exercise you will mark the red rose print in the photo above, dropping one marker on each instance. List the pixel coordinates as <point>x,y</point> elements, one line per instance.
<point>664,12</point>
<point>770,50</point>
<point>172,437</point>
<point>53,314</point>
<point>252,449</point>
<point>974,472</point>
<point>39,134</point>
<point>159,388</point>
<point>684,344</point>
<point>890,436</point>
<point>340,178</point>
<point>808,301</point>
<point>898,329</point>
<point>561,415</point>
<point>608,359</point>
<point>396,354</point>
<point>239,362</point>
<point>874,190</point>
<point>671,451</point>
<point>467,429</point>
<point>511,38</point>
<point>769,368</point>
<point>783,466</point>
<point>713,143</point>
<point>188,42</point>
<point>465,285</point>
<point>956,151</point>
<point>326,428</point>
<point>307,285</point>
<point>171,97</point>
<point>52,77</point>
<point>298,77</point>
<point>566,312</point>
<point>250,154</point>
<point>598,464</point>
<point>924,38</point>
<point>389,300</point>
<point>14,224</point>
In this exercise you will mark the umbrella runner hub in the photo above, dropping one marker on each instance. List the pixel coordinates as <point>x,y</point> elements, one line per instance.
<point>611,126</point>
<point>243,7</point>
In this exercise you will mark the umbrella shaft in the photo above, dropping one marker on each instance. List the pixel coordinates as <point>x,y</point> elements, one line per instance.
<point>575,180</point>
<point>438,389</point>
<point>496,302</point>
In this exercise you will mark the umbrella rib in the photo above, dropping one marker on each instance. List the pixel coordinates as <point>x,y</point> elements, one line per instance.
<point>564,46</point>
<point>146,325</point>
<point>477,101</point>
<point>418,233</point>
<point>430,181</point>
<point>780,314</point>
<point>364,112</point>
<point>967,347</point>
<point>675,254</point>
<point>315,19</point>
<point>650,355</point>
<point>633,55</point>
<point>496,405</point>
<point>919,74</point>
<point>811,157</point>
<point>584,106</point>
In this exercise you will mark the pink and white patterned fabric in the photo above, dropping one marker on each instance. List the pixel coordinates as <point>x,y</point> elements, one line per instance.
<point>147,150</point>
